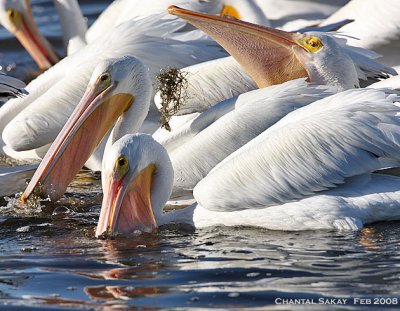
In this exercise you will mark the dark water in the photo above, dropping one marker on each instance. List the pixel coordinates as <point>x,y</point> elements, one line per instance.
<point>49,258</point>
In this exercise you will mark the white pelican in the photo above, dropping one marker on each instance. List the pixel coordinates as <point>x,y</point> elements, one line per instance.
<point>269,56</point>
<point>16,17</point>
<point>11,87</point>
<point>195,147</point>
<point>311,170</point>
<point>305,55</point>
<point>119,92</point>
<point>35,121</point>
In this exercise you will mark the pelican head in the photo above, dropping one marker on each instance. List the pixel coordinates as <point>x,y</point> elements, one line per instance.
<point>273,56</point>
<point>118,94</point>
<point>137,178</point>
<point>327,62</point>
<point>16,17</point>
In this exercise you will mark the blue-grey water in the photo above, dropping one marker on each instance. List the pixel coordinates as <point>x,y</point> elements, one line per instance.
<point>50,259</point>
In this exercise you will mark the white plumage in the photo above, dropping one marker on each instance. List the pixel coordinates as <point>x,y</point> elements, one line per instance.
<point>365,200</point>
<point>200,144</point>
<point>122,10</point>
<point>312,149</point>
<point>73,25</point>
<point>210,82</point>
<point>308,12</point>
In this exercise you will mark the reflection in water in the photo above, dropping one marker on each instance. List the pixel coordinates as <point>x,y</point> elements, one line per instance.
<point>129,253</point>
<point>104,293</point>
<point>369,238</point>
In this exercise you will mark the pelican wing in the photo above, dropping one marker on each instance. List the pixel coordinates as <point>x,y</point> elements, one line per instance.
<point>39,123</point>
<point>209,83</point>
<point>35,89</point>
<point>10,88</point>
<point>391,83</point>
<point>312,149</point>
<point>362,200</point>
<point>328,27</point>
<point>193,124</point>
<point>280,12</point>
<point>214,137</point>
<point>121,11</point>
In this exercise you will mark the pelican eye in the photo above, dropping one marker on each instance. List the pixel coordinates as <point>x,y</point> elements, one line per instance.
<point>121,166</point>
<point>15,18</point>
<point>122,161</point>
<point>311,44</point>
<point>10,13</point>
<point>104,80</point>
<point>105,77</point>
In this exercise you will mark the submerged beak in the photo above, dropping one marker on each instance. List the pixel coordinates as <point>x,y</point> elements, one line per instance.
<point>36,45</point>
<point>90,121</point>
<point>126,204</point>
<point>269,55</point>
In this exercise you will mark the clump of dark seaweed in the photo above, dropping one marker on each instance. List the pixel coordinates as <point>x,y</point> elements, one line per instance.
<point>172,85</point>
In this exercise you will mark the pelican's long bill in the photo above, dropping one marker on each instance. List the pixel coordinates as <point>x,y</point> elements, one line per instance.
<point>95,114</point>
<point>269,55</point>
<point>126,203</point>
<point>27,33</point>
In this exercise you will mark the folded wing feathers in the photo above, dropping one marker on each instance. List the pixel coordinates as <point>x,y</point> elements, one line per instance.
<point>364,61</point>
<point>249,115</point>
<point>312,149</point>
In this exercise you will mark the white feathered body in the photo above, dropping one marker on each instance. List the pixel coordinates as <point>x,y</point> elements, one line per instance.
<point>200,144</point>
<point>349,207</point>
<point>312,149</point>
